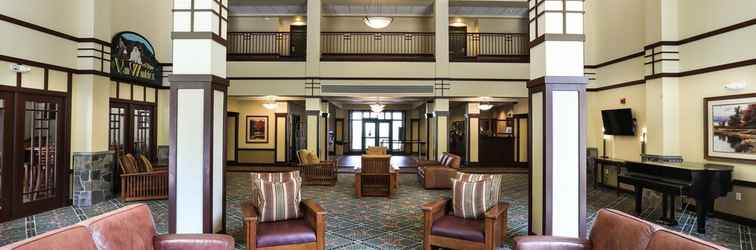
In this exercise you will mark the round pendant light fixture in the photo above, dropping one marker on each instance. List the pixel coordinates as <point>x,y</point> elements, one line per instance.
<point>377,107</point>
<point>377,21</point>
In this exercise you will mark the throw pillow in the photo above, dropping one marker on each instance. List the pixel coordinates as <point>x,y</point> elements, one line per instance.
<point>495,179</point>
<point>278,201</point>
<point>312,158</point>
<point>470,200</point>
<point>272,177</point>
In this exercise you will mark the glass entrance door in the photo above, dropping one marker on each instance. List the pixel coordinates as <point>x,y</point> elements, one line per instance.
<point>377,133</point>
<point>370,129</point>
<point>39,168</point>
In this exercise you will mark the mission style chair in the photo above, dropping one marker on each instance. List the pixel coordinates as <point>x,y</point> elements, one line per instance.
<point>306,233</point>
<point>141,181</point>
<point>314,171</point>
<point>448,231</point>
<point>375,177</point>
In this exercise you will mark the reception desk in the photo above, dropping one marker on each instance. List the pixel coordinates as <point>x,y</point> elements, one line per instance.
<point>496,151</point>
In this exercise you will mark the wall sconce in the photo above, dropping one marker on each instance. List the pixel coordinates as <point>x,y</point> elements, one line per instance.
<point>734,86</point>
<point>643,139</point>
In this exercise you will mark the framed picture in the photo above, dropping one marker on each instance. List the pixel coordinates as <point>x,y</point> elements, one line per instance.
<point>730,128</point>
<point>257,129</point>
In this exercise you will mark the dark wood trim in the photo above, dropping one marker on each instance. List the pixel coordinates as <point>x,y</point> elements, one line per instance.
<point>380,78</point>
<point>705,35</point>
<point>616,60</point>
<point>48,31</point>
<point>744,183</point>
<point>618,85</point>
<point>257,149</point>
<point>706,128</point>
<point>46,79</point>
<point>235,115</point>
<point>199,35</point>
<point>705,70</point>
<point>18,79</point>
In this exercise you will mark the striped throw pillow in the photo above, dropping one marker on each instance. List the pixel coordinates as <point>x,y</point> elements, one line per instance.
<point>272,177</point>
<point>471,199</point>
<point>278,201</point>
<point>495,179</point>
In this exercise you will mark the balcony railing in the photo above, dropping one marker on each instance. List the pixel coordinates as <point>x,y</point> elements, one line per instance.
<point>377,46</point>
<point>488,47</point>
<point>267,46</point>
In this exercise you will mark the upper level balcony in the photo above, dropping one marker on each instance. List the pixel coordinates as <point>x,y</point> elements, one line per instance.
<point>488,47</point>
<point>377,46</point>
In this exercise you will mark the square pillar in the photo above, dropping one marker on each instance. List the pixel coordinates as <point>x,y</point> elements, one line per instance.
<point>281,133</point>
<point>197,117</point>
<point>441,20</point>
<point>473,132</point>
<point>441,116</point>
<point>312,110</point>
<point>557,121</point>
<point>314,8</point>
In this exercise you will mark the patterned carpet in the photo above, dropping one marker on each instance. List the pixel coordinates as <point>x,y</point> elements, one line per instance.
<point>381,223</point>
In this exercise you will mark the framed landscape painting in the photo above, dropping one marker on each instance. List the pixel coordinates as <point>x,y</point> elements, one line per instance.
<point>257,129</point>
<point>730,128</point>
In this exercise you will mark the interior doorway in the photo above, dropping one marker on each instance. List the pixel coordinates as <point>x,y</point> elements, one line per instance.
<point>33,154</point>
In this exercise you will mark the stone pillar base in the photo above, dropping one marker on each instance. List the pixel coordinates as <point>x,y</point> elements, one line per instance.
<point>93,175</point>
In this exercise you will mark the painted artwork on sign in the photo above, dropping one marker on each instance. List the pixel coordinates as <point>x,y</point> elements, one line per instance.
<point>257,129</point>
<point>731,128</point>
<point>132,59</point>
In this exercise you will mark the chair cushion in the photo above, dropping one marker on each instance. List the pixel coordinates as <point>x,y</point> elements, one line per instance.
<point>617,230</point>
<point>130,227</point>
<point>470,200</point>
<point>72,237</point>
<point>134,164</point>
<point>278,201</point>
<point>284,233</point>
<point>128,164</point>
<point>495,179</point>
<point>271,176</point>
<point>670,240</point>
<point>444,159</point>
<point>458,228</point>
<point>146,163</point>
<point>311,158</point>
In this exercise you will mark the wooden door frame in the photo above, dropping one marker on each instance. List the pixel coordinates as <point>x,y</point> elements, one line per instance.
<point>130,123</point>
<point>62,196</point>
<point>6,174</point>
<point>235,115</point>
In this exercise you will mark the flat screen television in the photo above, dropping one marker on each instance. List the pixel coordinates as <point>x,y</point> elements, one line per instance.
<point>618,122</point>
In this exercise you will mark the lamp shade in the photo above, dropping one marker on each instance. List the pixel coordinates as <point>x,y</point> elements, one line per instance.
<point>377,22</point>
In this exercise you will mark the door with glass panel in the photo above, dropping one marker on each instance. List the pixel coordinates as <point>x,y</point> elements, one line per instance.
<point>39,171</point>
<point>370,129</point>
<point>6,109</point>
<point>131,129</point>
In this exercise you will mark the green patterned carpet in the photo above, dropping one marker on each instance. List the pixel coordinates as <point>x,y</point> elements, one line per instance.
<point>380,223</point>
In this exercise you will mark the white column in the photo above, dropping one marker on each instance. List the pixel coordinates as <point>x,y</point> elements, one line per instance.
<point>312,110</point>
<point>473,132</point>
<point>441,20</point>
<point>197,117</point>
<point>313,38</point>
<point>557,118</point>
<point>441,114</point>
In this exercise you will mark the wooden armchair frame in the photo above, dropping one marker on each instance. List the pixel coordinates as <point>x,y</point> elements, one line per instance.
<point>313,213</point>
<point>494,226</point>
<point>375,172</point>
<point>324,173</point>
<point>141,186</point>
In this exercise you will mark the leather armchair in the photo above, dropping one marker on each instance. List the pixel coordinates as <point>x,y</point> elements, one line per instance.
<point>617,230</point>
<point>304,233</point>
<point>448,231</point>
<point>130,227</point>
<point>438,175</point>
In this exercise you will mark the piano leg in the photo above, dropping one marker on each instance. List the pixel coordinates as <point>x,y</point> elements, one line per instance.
<point>638,199</point>
<point>701,207</point>
<point>672,210</point>
<point>668,210</point>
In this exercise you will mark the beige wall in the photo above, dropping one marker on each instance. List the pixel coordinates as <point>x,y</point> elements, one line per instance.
<point>252,108</point>
<point>261,24</point>
<point>354,24</point>
<point>152,19</point>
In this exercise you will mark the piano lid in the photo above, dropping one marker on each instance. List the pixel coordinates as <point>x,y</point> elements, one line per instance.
<point>692,166</point>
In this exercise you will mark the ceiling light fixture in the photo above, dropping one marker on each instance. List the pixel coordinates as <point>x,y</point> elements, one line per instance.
<point>377,21</point>
<point>458,23</point>
<point>298,21</point>
<point>486,105</point>
<point>270,103</point>
<point>377,107</point>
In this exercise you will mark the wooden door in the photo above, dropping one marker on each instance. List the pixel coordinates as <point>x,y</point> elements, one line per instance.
<point>6,153</point>
<point>298,41</point>
<point>39,172</point>
<point>457,42</point>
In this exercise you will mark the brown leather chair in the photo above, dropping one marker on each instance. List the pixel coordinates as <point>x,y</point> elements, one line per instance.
<point>438,174</point>
<point>616,230</point>
<point>304,233</point>
<point>129,227</point>
<point>448,231</point>
<point>375,177</point>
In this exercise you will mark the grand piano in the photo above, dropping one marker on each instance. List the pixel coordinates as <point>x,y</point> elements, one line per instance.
<point>700,181</point>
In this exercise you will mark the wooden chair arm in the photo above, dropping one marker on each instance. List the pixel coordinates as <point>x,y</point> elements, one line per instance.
<point>249,212</point>
<point>315,215</point>
<point>496,211</point>
<point>436,205</point>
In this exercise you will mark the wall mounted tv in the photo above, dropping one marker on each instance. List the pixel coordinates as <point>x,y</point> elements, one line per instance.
<point>618,122</point>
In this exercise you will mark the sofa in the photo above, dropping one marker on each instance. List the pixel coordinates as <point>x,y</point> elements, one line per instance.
<point>617,230</point>
<point>130,227</point>
<point>438,174</point>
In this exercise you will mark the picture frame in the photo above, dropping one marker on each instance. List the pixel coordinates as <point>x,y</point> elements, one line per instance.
<point>730,128</point>
<point>256,129</point>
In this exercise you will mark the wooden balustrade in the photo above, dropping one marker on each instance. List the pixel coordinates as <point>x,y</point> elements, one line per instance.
<point>144,186</point>
<point>267,46</point>
<point>488,47</point>
<point>370,46</point>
